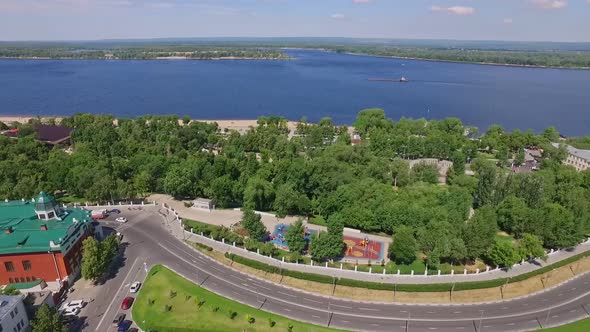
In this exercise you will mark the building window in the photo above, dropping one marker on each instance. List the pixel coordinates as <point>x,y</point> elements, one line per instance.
<point>27,265</point>
<point>28,279</point>
<point>11,314</point>
<point>51,215</point>
<point>16,310</point>
<point>10,281</point>
<point>9,266</point>
<point>22,279</point>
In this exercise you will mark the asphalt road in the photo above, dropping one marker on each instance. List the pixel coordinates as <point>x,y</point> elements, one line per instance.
<point>149,240</point>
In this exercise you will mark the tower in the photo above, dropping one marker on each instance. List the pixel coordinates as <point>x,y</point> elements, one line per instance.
<point>46,207</point>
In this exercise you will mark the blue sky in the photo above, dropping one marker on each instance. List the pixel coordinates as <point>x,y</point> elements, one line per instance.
<point>545,20</point>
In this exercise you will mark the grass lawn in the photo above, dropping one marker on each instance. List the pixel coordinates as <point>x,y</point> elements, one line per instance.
<point>168,302</point>
<point>579,326</point>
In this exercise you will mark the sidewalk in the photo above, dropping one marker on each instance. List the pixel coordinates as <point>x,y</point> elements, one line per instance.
<point>229,217</point>
<point>176,229</point>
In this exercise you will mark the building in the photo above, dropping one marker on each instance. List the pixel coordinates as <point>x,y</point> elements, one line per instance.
<point>41,242</point>
<point>579,159</point>
<point>204,204</point>
<point>13,316</point>
<point>48,134</point>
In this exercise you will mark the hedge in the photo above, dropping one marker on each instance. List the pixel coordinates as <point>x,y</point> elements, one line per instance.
<point>443,287</point>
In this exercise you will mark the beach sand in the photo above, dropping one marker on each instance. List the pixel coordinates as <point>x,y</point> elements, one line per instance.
<point>241,126</point>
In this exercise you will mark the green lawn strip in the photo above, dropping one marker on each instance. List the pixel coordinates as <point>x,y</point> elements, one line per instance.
<point>579,326</point>
<point>444,287</point>
<point>168,302</point>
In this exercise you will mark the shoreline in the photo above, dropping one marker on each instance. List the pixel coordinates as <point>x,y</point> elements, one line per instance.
<point>459,62</point>
<point>240,125</point>
<point>156,58</point>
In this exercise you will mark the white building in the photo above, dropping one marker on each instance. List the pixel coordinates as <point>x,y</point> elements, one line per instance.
<point>13,316</point>
<point>203,204</point>
<point>579,159</point>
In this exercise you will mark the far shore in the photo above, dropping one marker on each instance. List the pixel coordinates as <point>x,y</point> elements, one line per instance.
<point>461,62</point>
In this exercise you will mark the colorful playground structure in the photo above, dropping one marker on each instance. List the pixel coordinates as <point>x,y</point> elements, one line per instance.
<point>363,248</point>
<point>278,235</point>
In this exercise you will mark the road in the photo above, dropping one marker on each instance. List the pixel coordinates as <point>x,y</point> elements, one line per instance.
<point>149,240</point>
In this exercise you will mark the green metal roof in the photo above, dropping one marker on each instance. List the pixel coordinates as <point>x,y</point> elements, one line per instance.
<point>26,234</point>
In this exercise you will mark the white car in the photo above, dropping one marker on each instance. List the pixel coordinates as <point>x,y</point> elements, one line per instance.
<point>75,304</point>
<point>71,311</point>
<point>121,219</point>
<point>135,287</point>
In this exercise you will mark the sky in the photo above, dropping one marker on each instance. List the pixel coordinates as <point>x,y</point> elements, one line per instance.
<point>525,20</point>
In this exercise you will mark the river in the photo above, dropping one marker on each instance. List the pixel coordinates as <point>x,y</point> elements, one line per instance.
<point>315,84</point>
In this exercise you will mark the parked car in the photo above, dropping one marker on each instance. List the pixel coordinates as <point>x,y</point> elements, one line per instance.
<point>124,326</point>
<point>121,219</point>
<point>71,311</point>
<point>75,304</point>
<point>133,329</point>
<point>135,287</point>
<point>117,211</point>
<point>127,303</point>
<point>120,317</point>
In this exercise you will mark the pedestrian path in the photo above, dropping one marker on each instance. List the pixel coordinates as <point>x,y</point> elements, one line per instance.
<point>526,267</point>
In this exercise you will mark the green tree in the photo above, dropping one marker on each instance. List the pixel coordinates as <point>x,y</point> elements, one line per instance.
<point>109,248</point>
<point>251,221</point>
<point>530,246</point>
<point>478,233</point>
<point>91,259</point>
<point>404,248</point>
<point>330,244</point>
<point>295,237</point>
<point>9,290</point>
<point>503,254</point>
<point>484,192</point>
<point>47,320</point>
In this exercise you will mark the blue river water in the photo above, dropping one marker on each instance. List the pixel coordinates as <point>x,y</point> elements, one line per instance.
<point>315,85</point>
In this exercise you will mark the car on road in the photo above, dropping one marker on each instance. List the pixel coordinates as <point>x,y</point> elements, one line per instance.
<point>116,211</point>
<point>75,304</point>
<point>124,326</point>
<point>121,219</point>
<point>120,317</point>
<point>127,303</point>
<point>135,287</point>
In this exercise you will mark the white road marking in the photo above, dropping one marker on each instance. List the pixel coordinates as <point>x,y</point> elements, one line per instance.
<point>341,306</point>
<point>368,309</point>
<point>314,316</point>
<point>288,310</point>
<point>314,301</point>
<point>456,312</point>
<point>510,324</point>
<point>115,297</point>
<point>286,294</point>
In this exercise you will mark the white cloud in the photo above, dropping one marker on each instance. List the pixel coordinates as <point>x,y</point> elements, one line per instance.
<point>508,21</point>
<point>338,16</point>
<point>364,2</point>
<point>455,10</point>
<point>550,4</point>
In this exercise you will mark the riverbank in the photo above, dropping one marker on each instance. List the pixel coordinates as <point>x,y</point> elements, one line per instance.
<point>457,61</point>
<point>241,126</point>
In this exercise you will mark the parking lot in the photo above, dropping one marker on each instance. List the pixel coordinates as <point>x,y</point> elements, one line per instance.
<point>104,299</point>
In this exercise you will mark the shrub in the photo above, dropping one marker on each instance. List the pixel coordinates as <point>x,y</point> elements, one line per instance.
<point>232,314</point>
<point>271,323</point>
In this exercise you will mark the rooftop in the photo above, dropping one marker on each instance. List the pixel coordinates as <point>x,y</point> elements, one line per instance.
<point>7,304</point>
<point>22,232</point>
<point>52,134</point>
<point>576,152</point>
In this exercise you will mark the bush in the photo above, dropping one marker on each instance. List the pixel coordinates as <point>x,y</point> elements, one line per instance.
<point>271,323</point>
<point>232,314</point>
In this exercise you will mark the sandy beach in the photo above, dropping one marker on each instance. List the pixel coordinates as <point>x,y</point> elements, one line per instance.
<point>239,125</point>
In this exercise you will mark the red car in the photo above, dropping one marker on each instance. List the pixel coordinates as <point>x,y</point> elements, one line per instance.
<point>127,302</point>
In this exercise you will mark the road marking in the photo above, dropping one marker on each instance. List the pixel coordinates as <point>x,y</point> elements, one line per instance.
<point>432,328</point>
<point>573,310</point>
<point>341,306</point>
<point>510,324</point>
<point>286,294</point>
<point>369,309</point>
<point>374,324</point>
<point>345,321</point>
<point>287,310</point>
<point>456,312</point>
<point>314,316</point>
<point>460,328</point>
<point>314,301</point>
<point>115,297</point>
<point>431,312</point>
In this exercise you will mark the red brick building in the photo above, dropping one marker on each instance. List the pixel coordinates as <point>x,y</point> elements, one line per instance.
<point>41,243</point>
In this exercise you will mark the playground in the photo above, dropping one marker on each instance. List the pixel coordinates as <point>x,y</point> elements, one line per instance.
<point>363,248</point>
<point>278,235</point>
